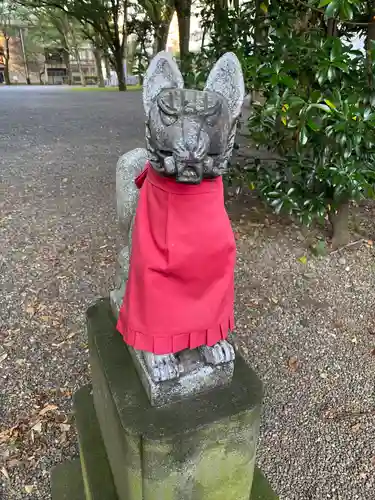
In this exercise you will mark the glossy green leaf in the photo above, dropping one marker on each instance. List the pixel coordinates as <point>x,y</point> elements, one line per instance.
<point>313,125</point>
<point>274,79</point>
<point>336,48</point>
<point>330,104</point>
<point>295,101</point>
<point>287,80</point>
<point>303,137</point>
<point>346,11</point>
<point>331,74</point>
<point>332,9</point>
<point>324,107</point>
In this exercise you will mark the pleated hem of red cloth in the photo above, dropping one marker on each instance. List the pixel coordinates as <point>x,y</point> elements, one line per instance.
<point>171,344</point>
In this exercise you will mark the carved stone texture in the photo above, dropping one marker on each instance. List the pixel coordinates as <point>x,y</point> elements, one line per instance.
<point>129,166</point>
<point>190,133</point>
<point>189,136</point>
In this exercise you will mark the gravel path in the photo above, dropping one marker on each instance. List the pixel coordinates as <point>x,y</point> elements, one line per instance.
<point>307,328</point>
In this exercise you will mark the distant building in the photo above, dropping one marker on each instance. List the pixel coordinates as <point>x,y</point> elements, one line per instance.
<point>57,66</point>
<point>50,67</point>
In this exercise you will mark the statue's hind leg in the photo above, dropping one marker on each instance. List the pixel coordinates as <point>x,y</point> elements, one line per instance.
<point>221,352</point>
<point>162,367</point>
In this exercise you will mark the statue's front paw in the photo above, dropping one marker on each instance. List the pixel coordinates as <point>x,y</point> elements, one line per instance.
<point>220,353</point>
<point>162,367</point>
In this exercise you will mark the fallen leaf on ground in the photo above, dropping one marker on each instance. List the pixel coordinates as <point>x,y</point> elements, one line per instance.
<point>30,310</point>
<point>47,408</point>
<point>46,319</point>
<point>37,427</point>
<point>65,392</point>
<point>293,363</point>
<point>29,488</point>
<point>13,463</point>
<point>65,427</point>
<point>303,259</point>
<point>5,473</point>
<point>356,428</point>
<point>3,356</point>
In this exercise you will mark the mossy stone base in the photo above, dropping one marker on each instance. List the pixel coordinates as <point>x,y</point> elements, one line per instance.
<point>97,475</point>
<point>201,448</point>
<point>67,480</point>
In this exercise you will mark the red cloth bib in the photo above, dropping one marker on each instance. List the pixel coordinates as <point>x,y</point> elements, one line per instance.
<point>180,290</point>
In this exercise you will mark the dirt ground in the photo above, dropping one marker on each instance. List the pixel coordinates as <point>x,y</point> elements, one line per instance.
<point>306,323</point>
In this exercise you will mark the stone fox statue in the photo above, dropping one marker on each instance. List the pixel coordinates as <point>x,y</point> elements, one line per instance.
<point>175,287</point>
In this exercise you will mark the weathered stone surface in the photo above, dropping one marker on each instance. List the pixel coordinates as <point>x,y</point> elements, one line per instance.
<point>67,482</point>
<point>198,377</point>
<point>261,489</point>
<point>97,476</point>
<point>199,448</point>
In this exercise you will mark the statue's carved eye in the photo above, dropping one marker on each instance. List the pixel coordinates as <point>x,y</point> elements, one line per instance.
<point>167,118</point>
<point>212,115</point>
<point>167,113</point>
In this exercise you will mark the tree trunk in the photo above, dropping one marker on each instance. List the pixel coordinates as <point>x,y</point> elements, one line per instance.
<point>183,10</point>
<point>78,59</point>
<point>369,39</point>
<point>77,56</point>
<point>340,226</point>
<point>258,33</point>
<point>120,70</point>
<point>161,36</point>
<point>332,27</point>
<point>107,67</point>
<point>25,61</point>
<point>98,61</point>
<point>66,57</point>
<point>7,60</point>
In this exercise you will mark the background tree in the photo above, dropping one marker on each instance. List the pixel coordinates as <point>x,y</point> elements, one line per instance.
<point>108,20</point>
<point>159,14</point>
<point>315,121</point>
<point>51,28</point>
<point>7,29</point>
<point>183,10</point>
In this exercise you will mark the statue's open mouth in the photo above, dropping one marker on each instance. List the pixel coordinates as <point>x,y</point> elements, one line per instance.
<point>190,175</point>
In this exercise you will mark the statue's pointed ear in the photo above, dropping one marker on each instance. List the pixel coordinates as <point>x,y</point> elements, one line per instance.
<point>162,73</point>
<point>226,78</point>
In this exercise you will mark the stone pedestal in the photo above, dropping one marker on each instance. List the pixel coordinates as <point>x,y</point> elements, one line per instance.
<point>201,448</point>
